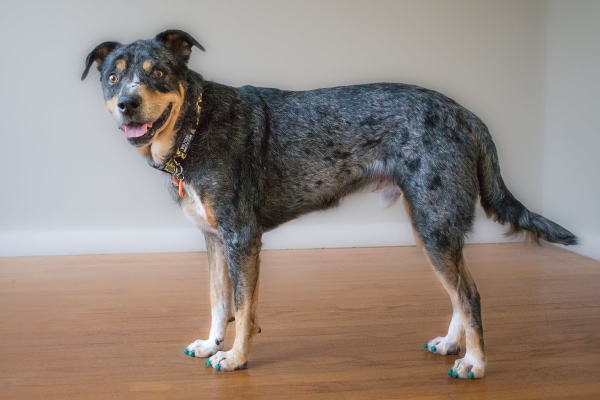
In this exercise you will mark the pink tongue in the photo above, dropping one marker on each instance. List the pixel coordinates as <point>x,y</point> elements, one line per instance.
<point>137,131</point>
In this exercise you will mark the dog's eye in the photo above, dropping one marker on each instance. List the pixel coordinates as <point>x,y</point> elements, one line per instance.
<point>158,73</point>
<point>112,79</point>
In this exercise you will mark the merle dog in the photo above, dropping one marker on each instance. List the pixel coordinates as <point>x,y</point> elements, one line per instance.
<point>245,160</point>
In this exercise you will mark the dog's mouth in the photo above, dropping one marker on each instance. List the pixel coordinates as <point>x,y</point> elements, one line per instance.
<point>142,131</point>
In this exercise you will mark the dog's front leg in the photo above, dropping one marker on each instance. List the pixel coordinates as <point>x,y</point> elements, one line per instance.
<point>244,265</point>
<point>221,299</point>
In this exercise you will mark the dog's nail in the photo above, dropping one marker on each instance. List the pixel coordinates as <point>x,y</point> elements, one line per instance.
<point>454,374</point>
<point>218,367</point>
<point>425,345</point>
<point>432,349</point>
<point>471,375</point>
<point>192,353</point>
<point>450,372</point>
<point>186,351</point>
<point>207,363</point>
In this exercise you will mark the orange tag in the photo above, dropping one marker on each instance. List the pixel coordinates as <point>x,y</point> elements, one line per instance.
<point>179,182</point>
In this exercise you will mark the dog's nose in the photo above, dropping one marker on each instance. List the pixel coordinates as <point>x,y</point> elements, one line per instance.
<point>128,105</point>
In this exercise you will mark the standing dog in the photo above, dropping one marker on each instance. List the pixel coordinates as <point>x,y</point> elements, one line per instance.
<point>245,160</point>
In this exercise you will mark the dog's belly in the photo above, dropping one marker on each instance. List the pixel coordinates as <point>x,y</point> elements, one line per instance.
<point>192,207</point>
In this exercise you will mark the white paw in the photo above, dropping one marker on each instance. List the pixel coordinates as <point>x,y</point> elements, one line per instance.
<point>468,367</point>
<point>227,361</point>
<point>203,348</point>
<point>443,345</point>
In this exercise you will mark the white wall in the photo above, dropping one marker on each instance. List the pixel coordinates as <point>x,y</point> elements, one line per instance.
<point>572,141</point>
<point>71,184</point>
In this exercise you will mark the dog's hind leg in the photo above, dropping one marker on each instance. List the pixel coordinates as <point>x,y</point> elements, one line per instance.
<point>244,266</point>
<point>221,299</point>
<point>449,344</point>
<point>441,229</point>
<point>466,317</point>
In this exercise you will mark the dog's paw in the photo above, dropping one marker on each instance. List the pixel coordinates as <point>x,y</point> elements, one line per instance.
<point>227,361</point>
<point>468,367</point>
<point>443,345</point>
<point>203,348</point>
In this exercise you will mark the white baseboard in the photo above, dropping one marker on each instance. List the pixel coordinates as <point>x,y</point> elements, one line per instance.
<point>291,236</point>
<point>51,243</point>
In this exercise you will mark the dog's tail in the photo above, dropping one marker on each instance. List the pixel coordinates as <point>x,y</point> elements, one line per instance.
<point>500,204</point>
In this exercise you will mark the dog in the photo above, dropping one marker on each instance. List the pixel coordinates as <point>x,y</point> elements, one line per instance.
<point>246,160</point>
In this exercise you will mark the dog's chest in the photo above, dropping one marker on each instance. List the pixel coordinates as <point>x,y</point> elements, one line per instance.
<point>196,211</point>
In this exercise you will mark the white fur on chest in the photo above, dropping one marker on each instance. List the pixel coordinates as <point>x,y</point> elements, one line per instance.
<point>194,209</point>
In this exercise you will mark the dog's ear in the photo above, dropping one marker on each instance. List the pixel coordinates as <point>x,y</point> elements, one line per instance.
<point>179,42</point>
<point>98,55</point>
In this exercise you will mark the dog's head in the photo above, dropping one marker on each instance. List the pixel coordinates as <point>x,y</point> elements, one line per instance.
<point>142,83</point>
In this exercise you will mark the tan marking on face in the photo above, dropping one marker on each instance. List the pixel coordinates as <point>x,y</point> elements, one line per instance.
<point>164,140</point>
<point>121,64</point>
<point>147,66</point>
<point>111,104</point>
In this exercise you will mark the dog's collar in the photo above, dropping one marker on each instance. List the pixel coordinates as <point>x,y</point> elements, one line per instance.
<point>173,165</point>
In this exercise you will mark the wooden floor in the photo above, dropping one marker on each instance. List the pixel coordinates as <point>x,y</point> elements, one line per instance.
<point>336,324</point>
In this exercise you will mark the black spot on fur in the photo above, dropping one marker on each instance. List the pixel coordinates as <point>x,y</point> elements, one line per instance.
<point>367,121</point>
<point>217,342</point>
<point>329,143</point>
<point>404,136</point>
<point>414,165</point>
<point>431,120</point>
<point>318,183</point>
<point>435,183</point>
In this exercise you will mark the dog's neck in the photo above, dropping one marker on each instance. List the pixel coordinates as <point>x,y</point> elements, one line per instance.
<point>173,165</point>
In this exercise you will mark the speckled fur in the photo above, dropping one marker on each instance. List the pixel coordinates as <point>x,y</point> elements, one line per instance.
<point>262,157</point>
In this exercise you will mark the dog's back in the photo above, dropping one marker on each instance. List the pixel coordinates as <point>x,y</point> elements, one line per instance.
<point>317,146</point>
